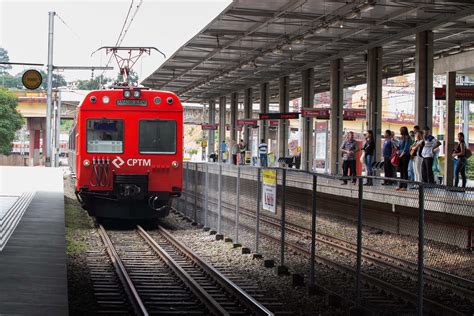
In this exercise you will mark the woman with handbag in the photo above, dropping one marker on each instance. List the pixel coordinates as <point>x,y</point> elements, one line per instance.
<point>459,154</point>
<point>404,155</point>
<point>415,152</point>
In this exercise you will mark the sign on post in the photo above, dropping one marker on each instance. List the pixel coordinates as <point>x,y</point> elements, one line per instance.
<point>269,182</point>
<point>209,127</point>
<point>32,79</point>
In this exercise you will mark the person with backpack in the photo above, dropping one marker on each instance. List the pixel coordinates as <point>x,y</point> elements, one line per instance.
<point>460,153</point>
<point>404,155</point>
<point>430,143</point>
<point>263,151</point>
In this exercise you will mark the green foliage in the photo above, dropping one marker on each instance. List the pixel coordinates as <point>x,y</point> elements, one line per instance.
<point>192,151</point>
<point>66,125</point>
<point>9,81</point>
<point>132,77</point>
<point>93,84</point>
<point>10,120</point>
<point>470,168</point>
<point>4,57</point>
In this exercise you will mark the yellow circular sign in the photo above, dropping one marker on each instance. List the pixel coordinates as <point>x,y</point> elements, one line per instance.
<point>204,143</point>
<point>32,79</point>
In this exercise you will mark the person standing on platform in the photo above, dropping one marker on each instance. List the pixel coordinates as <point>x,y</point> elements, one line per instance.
<point>411,171</point>
<point>430,143</point>
<point>415,152</point>
<point>349,148</point>
<point>387,154</point>
<point>368,149</point>
<point>242,148</point>
<point>459,154</point>
<point>223,151</point>
<point>404,157</point>
<point>234,150</point>
<point>263,152</point>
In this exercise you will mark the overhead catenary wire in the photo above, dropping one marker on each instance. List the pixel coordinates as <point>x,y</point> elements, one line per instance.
<point>70,28</point>
<point>120,34</point>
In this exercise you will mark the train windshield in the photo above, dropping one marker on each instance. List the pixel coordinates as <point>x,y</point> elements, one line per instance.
<point>104,136</point>
<point>157,137</point>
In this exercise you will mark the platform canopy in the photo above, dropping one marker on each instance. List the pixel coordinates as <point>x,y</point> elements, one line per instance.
<point>252,42</point>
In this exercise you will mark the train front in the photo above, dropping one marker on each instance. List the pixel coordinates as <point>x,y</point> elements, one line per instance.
<point>129,152</point>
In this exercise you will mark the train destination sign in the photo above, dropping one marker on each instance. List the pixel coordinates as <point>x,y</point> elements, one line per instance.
<point>247,122</point>
<point>279,116</point>
<point>352,114</point>
<point>462,93</point>
<point>319,113</point>
<point>32,79</point>
<point>132,102</point>
<point>208,127</point>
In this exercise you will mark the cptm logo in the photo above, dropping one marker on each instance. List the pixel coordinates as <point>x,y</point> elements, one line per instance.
<point>119,162</point>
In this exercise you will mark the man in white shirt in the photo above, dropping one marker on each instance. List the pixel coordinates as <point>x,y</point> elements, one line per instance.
<point>430,143</point>
<point>263,152</point>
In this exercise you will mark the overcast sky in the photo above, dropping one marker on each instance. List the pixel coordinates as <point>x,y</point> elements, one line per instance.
<point>90,24</point>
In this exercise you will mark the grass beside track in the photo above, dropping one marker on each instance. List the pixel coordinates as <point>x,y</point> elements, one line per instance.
<point>78,224</point>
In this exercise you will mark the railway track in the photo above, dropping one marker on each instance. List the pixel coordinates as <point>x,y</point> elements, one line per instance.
<point>401,286</point>
<point>156,274</point>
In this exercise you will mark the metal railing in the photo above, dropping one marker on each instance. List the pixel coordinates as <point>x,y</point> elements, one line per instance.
<point>402,240</point>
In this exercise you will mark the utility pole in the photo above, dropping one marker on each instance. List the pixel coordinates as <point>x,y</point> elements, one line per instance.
<point>57,129</point>
<point>48,144</point>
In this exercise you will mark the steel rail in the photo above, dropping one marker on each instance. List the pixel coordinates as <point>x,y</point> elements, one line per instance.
<point>250,302</point>
<point>430,304</point>
<point>129,287</point>
<point>436,277</point>
<point>213,306</point>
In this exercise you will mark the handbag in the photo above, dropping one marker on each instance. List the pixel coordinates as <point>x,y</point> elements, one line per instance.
<point>395,159</point>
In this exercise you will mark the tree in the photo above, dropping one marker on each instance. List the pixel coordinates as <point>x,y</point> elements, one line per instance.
<point>10,120</point>
<point>4,57</point>
<point>132,77</point>
<point>58,80</point>
<point>94,83</point>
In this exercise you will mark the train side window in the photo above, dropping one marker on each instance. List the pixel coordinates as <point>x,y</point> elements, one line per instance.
<point>157,137</point>
<point>104,136</point>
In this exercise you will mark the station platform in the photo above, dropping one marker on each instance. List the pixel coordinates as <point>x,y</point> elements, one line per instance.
<point>33,275</point>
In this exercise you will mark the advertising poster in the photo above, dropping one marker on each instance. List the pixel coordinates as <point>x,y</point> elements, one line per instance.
<point>269,198</point>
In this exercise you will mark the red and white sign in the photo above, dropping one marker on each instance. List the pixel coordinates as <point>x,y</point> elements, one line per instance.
<point>247,122</point>
<point>319,113</point>
<point>209,127</point>
<point>462,93</point>
<point>274,123</point>
<point>352,114</point>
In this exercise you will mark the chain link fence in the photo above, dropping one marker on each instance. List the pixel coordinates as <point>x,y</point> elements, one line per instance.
<point>372,245</point>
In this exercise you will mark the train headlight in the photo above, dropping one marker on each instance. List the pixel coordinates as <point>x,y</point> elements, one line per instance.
<point>175,164</point>
<point>136,94</point>
<point>157,100</point>
<point>105,99</point>
<point>93,99</point>
<point>86,163</point>
<point>169,100</point>
<point>127,94</point>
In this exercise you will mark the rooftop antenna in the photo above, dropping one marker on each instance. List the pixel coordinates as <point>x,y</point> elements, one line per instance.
<point>126,57</point>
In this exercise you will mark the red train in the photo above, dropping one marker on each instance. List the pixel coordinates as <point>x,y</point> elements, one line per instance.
<point>126,152</point>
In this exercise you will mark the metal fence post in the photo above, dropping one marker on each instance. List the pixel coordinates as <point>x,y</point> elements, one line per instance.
<point>421,240</point>
<point>219,209</point>
<point>237,205</point>
<point>359,242</point>
<point>206,195</point>
<point>282,269</point>
<point>313,233</point>
<point>186,172</point>
<point>257,228</point>
<point>195,191</point>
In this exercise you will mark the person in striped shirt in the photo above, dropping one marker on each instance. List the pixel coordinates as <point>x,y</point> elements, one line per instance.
<point>263,152</point>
